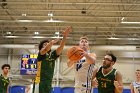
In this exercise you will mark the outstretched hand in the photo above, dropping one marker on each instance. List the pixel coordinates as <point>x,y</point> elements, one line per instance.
<point>55,40</point>
<point>67,31</point>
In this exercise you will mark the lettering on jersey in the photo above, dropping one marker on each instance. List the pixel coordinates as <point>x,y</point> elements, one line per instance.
<point>104,81</point>
<point>79,64</point>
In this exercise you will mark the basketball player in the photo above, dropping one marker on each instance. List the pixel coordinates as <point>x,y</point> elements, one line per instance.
<point>108,78</point>
<point>4,79</point>
<point>83,68</point>
<point>46,62</point>
<point>135,86</point>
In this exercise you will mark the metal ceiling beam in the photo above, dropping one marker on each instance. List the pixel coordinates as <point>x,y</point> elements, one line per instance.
<point>44,21</point>
<point>70,10</point>
<point>69,3</point>
<point>71,16</point>
<point>77,31</point>
<point>131,27</point>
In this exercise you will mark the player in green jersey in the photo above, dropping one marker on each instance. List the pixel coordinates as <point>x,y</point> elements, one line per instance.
<point>4,80</point>
<point>109,80</point>
<point>46,62</point>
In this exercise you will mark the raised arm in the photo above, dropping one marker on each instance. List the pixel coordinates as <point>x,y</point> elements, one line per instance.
<point>47,46</point>
<point>65,34</point>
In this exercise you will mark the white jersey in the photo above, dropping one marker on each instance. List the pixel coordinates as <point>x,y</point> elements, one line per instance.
<point>136,87</point>
<point>83,74</point>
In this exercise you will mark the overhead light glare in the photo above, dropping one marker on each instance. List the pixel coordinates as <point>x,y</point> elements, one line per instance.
<point>25,20</point>
<point>11,36</point>
<point>122,18</point>
<point>8,33</point>
<point>24,14</point>
<point>36,33</point>
<point>114,38</point>
<point>52,21</point>
<point>130,22</point>
<point>50,14</point>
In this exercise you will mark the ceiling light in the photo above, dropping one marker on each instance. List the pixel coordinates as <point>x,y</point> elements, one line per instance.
<point>24,20</point>
<point>130,22</point>
<point>8,33</point>
<point>36,33</point>
<point>56,33</point>
<point>24,14</point>
<point>122,18</point>
<point>50,14</point>
<point>52,20</point>
<point>113,47</point>
<point>56,37</point>
<point>113,38</point>
<point>39,37</point>
<point>11,36</point>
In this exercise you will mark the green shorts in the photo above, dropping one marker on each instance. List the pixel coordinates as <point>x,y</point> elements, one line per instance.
<point>45,86</point>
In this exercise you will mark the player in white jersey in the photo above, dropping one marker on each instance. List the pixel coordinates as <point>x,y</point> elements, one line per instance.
<point>84,68</point>
<point>135,86</point>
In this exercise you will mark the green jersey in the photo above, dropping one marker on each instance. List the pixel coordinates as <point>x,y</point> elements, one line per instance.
<point>106,82</point>
<point>45,70</point>
<point>3,84</point>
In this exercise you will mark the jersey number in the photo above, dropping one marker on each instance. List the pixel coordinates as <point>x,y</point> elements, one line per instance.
<point>103,84</point>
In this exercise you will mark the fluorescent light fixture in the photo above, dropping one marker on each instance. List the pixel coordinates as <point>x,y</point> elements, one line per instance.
<point>130,22</point>
<point>32,21</point>
<point>31,37</point>
<point>114,38</point>
<point>107,47</point>
<point>38,37</point>
<point>45,37</point>
<point>11,36</point>
<point>52,21</point>
<point>25,20</point>
<point>56,37</point>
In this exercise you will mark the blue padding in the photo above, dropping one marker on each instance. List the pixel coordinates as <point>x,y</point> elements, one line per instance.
<point>67,90</point>
<point>56,90</point>
<point>126,90</point>
<point>21,89</point>
<point>95,90</point>
<point>17,89</point>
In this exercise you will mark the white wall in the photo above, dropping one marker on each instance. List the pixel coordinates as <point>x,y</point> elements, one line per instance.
<point>3,57</point>
<point>128,61</point>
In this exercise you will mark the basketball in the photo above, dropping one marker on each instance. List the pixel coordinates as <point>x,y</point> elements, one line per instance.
<point>75,53</point>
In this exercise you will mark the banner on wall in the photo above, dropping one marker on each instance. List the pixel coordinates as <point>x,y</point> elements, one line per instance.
<point>28,64</point>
